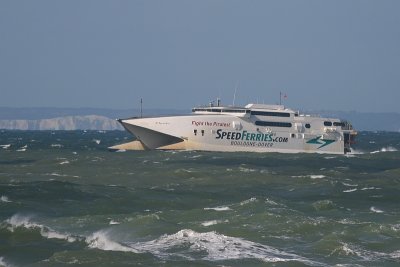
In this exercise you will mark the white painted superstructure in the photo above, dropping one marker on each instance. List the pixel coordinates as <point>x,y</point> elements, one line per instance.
<point>253,128</point>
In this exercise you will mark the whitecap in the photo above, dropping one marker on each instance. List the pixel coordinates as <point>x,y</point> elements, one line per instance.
<point>214,247</point>
<point>366,255</point>
<point>248,201</point>
<point>4,199</point>
<point>57,145</point>
<point>5,146</point>
<point>22,149</point>
<point>370,188</point>
<point>112,222</point>
<point>346,184</point>
<point>64,162</point>
<point>376,210</point>
<point>388,149</point>
<point>246,170</point>
<point>385,149</point>
<point>220,208</point>
<point>17,221</point>
<point>97,141</point>
<point>212,222</point>
<point>101,240</point>
<point>3,263</point>
<point>195,156</point>
<point>317,176</point>
<point>350,190</point>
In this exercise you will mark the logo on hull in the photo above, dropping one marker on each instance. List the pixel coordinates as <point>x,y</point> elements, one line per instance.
<point>323,142</point>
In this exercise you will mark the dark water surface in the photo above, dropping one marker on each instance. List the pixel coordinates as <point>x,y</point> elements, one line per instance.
<point>66,201</point>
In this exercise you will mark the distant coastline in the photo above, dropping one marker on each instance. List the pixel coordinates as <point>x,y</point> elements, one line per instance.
<point>104,119</point>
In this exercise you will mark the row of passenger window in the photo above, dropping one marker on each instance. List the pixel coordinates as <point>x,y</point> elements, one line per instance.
<point>329,123</point>
<point>288,124</point>
<point>269,113</point>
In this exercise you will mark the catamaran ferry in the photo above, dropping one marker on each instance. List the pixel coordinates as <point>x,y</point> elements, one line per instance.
<point>253,128</point>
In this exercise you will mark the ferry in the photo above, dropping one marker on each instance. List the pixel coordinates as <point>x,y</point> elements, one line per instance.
<point>252,128</point>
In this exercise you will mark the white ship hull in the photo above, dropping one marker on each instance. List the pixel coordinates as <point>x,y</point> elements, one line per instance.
<point>212,130</point>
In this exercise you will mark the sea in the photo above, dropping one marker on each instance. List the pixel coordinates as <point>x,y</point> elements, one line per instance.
<point>65,200</point>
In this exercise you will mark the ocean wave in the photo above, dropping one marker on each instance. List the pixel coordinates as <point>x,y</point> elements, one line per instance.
<point>247,201</point>
<point>350,190</point>
<point>97,141</point>
<point>102,241</point>
<point>364,254</point>
<point>56,145</point>
<point>376,210</point>
<point>5,146</point>
<point>213,222</point>
<point>246,170</point>
<point>214,247</point>
<point>385,149</point>
<point>5,199</point>
<point>22,221</point>
<point>22,149</point>
<point>3,263</point>
<point>220,208</point>
<point>312,176</point>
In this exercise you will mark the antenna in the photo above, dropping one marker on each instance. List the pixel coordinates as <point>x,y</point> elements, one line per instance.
<point>234,95</point>
<point>141,107</point>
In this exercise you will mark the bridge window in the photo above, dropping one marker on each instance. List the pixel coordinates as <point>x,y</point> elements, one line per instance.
<point>327,123</point>
<point>269,113</point>
<point>338,124</point>
<point>308,126</point>
<point>274,124</point>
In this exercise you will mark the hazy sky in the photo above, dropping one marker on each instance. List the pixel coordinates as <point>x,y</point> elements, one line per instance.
<point>332,55</point>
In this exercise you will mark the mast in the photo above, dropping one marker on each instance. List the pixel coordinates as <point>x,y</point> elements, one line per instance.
<point>141,107</point>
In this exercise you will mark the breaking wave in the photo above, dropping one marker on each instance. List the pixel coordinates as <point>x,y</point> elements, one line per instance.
<point>214,247</point>
<point>186,244</point>
<point>366,255</point>
<point>385,149</point>
<point>21,221</point>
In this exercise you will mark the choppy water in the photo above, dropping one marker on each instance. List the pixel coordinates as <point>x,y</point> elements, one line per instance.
<point>65,200</point>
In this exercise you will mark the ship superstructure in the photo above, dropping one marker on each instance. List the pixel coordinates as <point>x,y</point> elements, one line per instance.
<point>253,128</point>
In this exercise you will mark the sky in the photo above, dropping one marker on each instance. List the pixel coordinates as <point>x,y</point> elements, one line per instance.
<point>324,55</point>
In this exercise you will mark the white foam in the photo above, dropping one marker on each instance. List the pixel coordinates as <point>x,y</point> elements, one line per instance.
<point>312,176</point>
<point>370,188</point>
<point>376,210</point>
<point>64,162</point>
<point>17,221</point>
<point>213,222</point>
<point>317,176</point>
<point>4,199</point>
<point>253,199</point>
<point>3,263</point>
<point>57,145</point>
<point>101,240</point>
<point>5,146</point>
<point>346,184</point>
<point>367,255</point>
<point>22,149</point>
<point>97,141</point>
<point>385,149</point>
<point>214,247</point>
<point>350,190</point>
<point>246,170</point>
<point>112,222</point>
<point>220,208</point>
